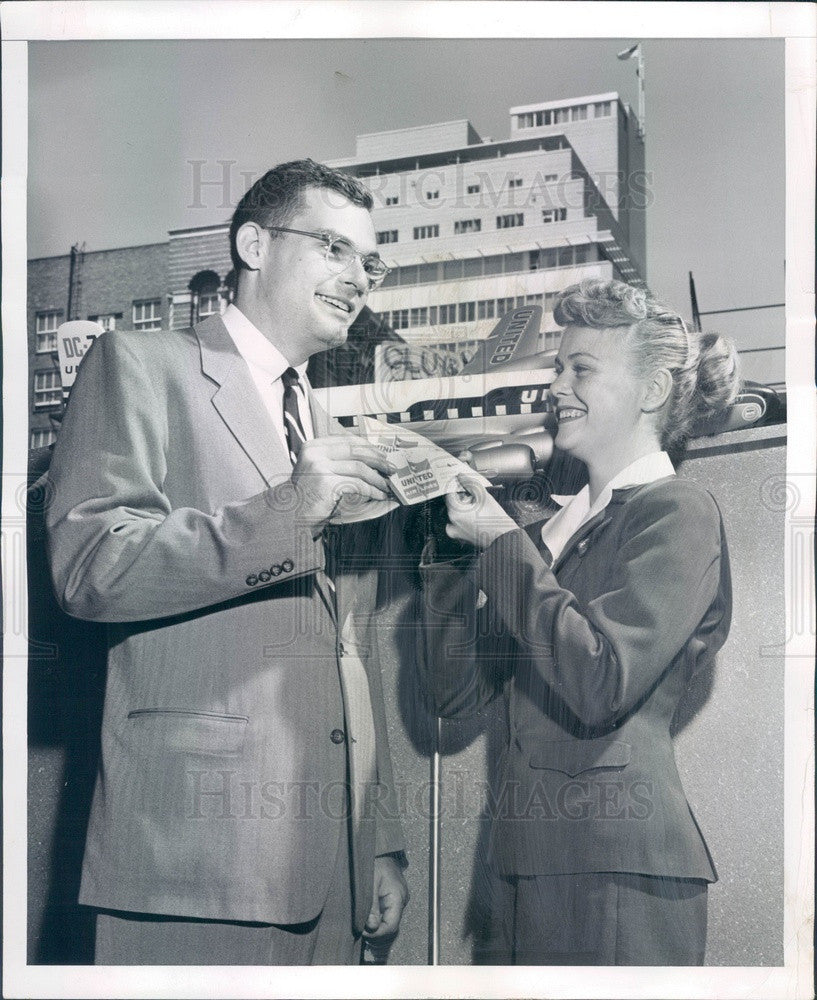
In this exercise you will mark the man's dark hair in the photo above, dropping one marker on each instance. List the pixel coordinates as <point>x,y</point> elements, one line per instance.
<point>275,197</point>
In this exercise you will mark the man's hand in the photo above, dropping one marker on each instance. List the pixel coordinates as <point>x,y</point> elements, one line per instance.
<point>389,898</point>
<point>333,467</point>
<point>474,516</point>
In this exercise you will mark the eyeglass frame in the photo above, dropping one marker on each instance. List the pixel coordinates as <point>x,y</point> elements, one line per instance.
<point>328,238</point>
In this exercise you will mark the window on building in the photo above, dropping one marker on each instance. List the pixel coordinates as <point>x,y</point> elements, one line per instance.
<point>561,116</point>
<point>486,309</point>
<point>209,305</point>
<point>467,226</point>
<point>106,320</point>
<point>509,221</point>
<point>544,117</point>
<point>534,300</point>
<point>42,439</point>
<point>515,182</point>
<point>467,312</point>
<point>147,314</point>
<point>46,324</point>
<point>551,177</point>
<point>604,109</point>
<point>399,319</point>
<point>473,189</point>
<point>47,390</point>
<point>426,232</point>
<point>525,120</point>
<point>448,313</point>
<point>392,199</point>
<point>503,306</point>
<point>419,317</point>
<point>554,214</point>
<point>579,113</point>
<point>475,267</point>
<point>432,195</point>
<point>387,236</point>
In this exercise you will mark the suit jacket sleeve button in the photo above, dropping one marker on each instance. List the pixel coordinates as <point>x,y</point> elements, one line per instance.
<point>337,736</point>
<point>252,580</point>
<point>265,576</point>
<point>275,570</point>
<point>287,565</point>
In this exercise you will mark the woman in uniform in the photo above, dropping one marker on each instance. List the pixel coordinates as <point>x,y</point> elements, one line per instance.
<point>589,625</point>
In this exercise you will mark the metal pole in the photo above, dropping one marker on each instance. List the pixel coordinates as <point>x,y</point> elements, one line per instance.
<point>742,309</point>
<point>642,103</point>
<point>696,315</point>
<point>434,860</point>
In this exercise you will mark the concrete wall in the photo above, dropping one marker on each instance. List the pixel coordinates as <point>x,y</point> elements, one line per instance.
<point>729,744</point>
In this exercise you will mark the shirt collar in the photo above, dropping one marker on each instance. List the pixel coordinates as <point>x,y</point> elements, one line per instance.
<point>577,510</point>
<point>254,347</point>
<point>647,469</point>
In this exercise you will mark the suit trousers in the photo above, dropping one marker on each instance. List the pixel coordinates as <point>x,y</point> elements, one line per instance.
<point>154,939</point>
<point>595,918</point>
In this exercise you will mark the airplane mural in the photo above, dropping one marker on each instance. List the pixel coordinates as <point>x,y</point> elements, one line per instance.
<point>497,406</point>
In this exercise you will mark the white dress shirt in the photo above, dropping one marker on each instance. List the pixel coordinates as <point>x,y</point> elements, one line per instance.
<point>267,365</point>
<point>578,509</point>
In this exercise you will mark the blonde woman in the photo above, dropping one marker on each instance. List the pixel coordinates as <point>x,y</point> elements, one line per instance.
<point>589,625</point>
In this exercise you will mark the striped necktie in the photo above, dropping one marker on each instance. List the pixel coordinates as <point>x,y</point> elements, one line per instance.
<point>296,437</point>
<point>292,414</point>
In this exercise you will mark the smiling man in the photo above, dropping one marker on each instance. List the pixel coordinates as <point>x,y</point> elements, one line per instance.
<point>244,811</point>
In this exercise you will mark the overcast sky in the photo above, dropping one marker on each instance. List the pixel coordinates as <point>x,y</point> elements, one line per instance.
<point>114,128</point>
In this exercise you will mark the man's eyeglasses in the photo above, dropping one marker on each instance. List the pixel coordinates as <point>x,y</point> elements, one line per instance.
<point>339,254</point>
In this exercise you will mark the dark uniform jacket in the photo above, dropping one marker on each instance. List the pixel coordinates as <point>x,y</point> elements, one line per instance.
<point>591,658</point>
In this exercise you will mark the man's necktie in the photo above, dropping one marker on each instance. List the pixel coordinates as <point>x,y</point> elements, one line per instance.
<point>292,414</point>
<point>296,437</point>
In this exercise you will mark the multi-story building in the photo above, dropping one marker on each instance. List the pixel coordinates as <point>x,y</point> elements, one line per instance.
<point>125,288</point>
<point>471,228</point>
<point>476,227</point>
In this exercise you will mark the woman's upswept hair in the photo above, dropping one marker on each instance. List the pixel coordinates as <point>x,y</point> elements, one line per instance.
<point>704,366</point>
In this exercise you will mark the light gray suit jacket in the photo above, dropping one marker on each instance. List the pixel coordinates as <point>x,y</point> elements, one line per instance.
<point>237,706</point>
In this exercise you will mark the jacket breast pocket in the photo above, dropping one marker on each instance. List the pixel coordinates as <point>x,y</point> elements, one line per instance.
<point>573,758</point>
<point>161,729</point>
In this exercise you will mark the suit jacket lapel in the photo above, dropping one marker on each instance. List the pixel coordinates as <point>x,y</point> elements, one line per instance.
<point>582,532</point>
<point>238,402</point>
<point>599,521</point>
<point>322,423</point>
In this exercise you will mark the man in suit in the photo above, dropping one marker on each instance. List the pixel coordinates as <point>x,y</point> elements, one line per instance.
<point>244,811</point>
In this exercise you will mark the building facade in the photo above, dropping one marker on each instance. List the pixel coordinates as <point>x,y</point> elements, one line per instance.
<point>471,228</point>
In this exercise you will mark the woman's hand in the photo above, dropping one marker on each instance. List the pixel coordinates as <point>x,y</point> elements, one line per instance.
<point>474,516</point>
